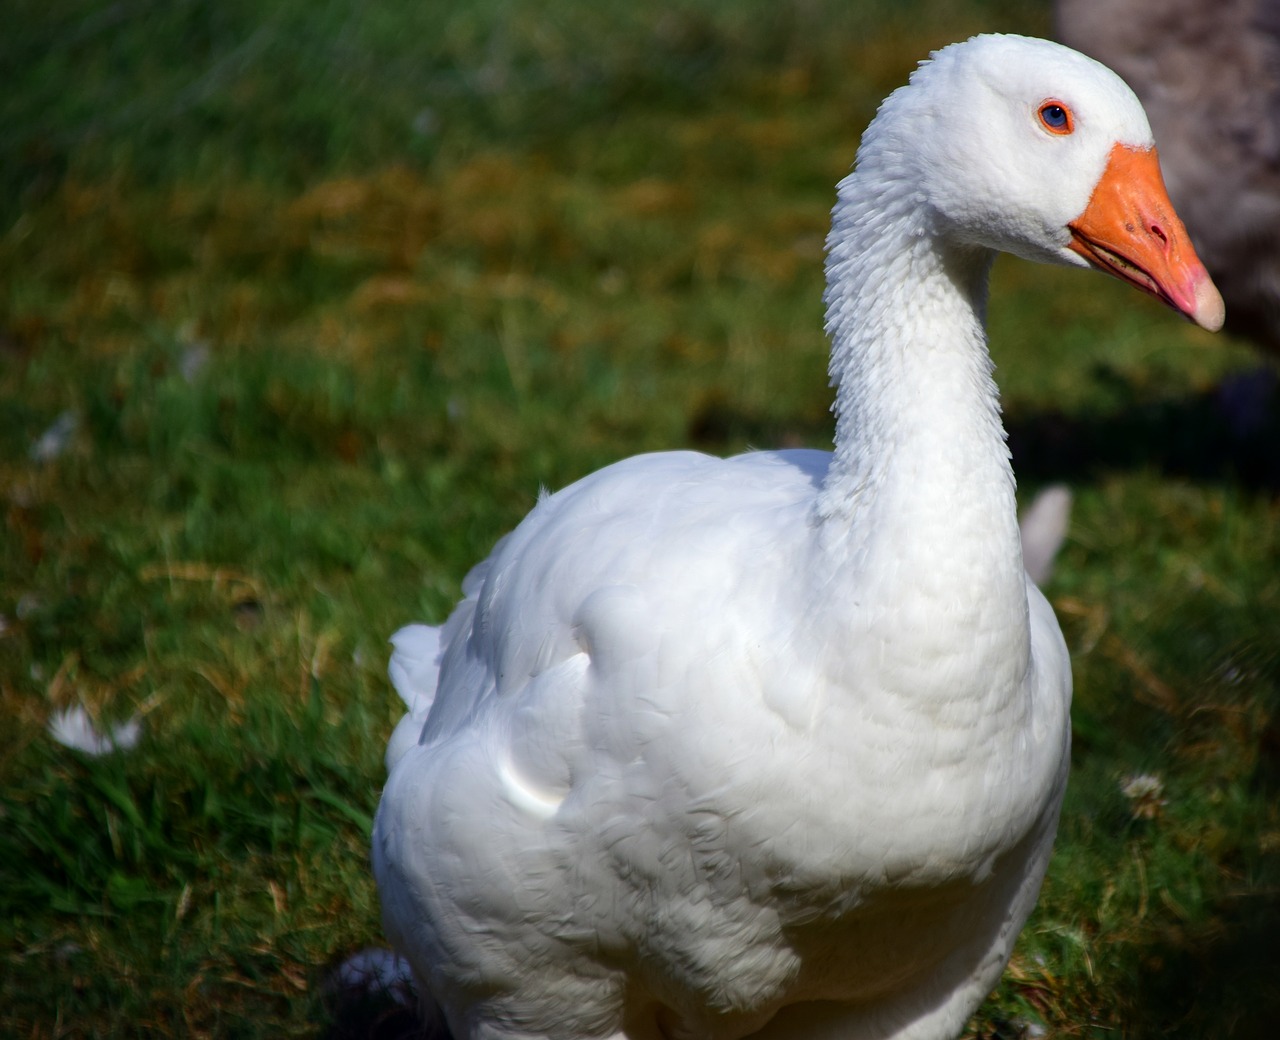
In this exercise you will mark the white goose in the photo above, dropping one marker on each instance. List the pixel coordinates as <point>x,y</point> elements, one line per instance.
<point>774,746</point>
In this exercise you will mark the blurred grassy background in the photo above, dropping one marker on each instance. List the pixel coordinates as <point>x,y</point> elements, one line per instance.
<point>303,301</point>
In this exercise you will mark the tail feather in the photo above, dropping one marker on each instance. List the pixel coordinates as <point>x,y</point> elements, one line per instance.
<point>1043,526</point>
<point>414,671</point>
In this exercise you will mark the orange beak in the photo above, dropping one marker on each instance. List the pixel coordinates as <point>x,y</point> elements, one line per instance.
<point>1129,230</point>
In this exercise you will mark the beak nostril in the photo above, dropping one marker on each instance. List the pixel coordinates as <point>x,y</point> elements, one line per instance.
<point>1158,231</point>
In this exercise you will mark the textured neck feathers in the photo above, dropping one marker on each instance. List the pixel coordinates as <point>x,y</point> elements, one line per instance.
<point>920,482</point>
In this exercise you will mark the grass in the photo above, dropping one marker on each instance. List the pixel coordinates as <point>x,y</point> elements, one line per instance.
<point>323,293</point>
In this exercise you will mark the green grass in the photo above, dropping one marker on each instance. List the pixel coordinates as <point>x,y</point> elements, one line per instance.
<point>436,259</point>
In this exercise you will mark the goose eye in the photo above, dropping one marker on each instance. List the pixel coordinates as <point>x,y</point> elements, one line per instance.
<point>1056,117</point>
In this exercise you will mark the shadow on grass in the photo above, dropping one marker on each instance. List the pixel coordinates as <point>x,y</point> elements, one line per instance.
<point>1217,979</point>
<point>1199,958</point>
<point>372,1020</point>
<point>1216,973</point>
<point>1230,431</point>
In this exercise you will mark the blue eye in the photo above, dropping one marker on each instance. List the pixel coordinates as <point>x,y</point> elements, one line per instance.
<point>1056,117</point>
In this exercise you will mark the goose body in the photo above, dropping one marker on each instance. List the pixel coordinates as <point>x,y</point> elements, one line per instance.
<point>775,745</point>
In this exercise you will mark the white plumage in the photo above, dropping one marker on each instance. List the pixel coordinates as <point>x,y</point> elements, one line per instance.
<point>774,746</point>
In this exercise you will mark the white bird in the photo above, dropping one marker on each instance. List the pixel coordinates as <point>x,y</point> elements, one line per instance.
<point>774,746</point>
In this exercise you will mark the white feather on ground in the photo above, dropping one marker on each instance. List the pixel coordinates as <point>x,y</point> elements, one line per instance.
<point>73,728</point>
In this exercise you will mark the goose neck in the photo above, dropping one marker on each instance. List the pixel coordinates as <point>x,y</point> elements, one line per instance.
<point>920,448</point>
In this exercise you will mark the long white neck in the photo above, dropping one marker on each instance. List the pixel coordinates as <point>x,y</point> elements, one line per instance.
<point>918,508</point>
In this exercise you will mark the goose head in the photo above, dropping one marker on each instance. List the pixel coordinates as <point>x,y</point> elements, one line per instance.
<point>1027,147</point>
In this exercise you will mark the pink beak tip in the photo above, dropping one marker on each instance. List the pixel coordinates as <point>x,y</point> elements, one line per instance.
<point>1209,311</point>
